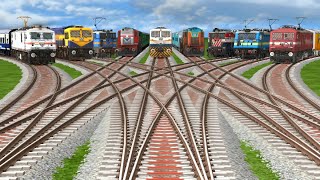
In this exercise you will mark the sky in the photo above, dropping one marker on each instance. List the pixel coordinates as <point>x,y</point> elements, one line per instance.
<point>147,14</point>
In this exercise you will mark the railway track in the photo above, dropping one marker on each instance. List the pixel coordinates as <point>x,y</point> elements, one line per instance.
<point>175,133</point>
<point>146,170</point>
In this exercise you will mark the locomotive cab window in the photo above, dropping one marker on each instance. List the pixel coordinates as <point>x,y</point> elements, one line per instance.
<point>165,34</point>
<point>103,35</point>
<point>86,33</point>
<point>276,36</point>
<point>217,35</point>
<point>75,34</point>
<point>155,34</point>
<point>249,36</point>
<point>35,35</point>
<point>47,35</point>
<point>288,36</point>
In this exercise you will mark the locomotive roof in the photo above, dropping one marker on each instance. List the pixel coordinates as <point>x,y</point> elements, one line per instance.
<point>159,28</point>
<point>4,31</point>
<point>289,29</point>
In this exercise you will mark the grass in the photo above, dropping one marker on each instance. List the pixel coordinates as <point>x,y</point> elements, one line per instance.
<point>71,71</point>
<point>114,56</point>
<point>310,76</point>
<point>227,63</point>
<point>191,73</point>
<point>133,73</point>
<point>177,59</point>
<point>144,58</point>
<point>10,75</point>
<point>71,165</point>
<point>249,73</point>
<point>257,165</point>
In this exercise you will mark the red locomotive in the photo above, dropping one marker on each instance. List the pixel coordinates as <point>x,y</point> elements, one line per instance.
<point>220,42</point>
<point>290,43</point>
<point>131,42</point>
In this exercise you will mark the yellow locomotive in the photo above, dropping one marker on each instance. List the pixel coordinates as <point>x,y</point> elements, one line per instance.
<point>74,42</point>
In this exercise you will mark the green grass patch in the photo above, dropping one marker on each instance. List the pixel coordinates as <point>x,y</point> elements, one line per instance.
<point>257,165</point>
<point>114,56</point>
<point>144,58</point>
<point>191,73</point>
<point>72,164</point>
<point>71,71</point>
<point>248,74</point>
<point>177,59</point>
<point>10,75</point>
<point>310,76</point>
<point>227,63</point>
<point>133,73</point>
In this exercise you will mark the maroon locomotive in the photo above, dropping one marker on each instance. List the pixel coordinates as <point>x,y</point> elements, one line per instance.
<point>290,43</point>
<point>131,42</point>
<point>220,42</point>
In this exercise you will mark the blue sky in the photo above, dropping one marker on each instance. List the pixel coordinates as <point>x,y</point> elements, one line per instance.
<point>147,14</point>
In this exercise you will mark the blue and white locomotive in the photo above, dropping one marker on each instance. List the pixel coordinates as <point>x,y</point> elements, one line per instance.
<point>105,43</point>
<point>252,43</point>
<point>32,45</point>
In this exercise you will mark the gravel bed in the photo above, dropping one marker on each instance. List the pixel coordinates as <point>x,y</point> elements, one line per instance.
<point>277,161</point>
<point>98,141</point>
<point>235,154</point>
<point>296,74</point>
<point>21,84</point>
<point>45,168</point>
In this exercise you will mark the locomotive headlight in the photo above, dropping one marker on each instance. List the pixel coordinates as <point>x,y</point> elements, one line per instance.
<point>290,54</point>
<point>152,50</point>
<point>201,49</point>
<point>73,52</point>
<point>271,53</point>
<point>133,49</point>
<point>52,55</point>
<point>33,55</point>
<point>169,50</point>
<point>90,52</point>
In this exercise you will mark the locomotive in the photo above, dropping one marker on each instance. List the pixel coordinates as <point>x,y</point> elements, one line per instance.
<point>32,45</point>
<point>290,43</point>
<point>220,42</point>
<point>131,42</point>
<point>189,41</point>
<point>252,43</point>
<point>105,43</point>
<point>74,42</point>
<point>160,42</point>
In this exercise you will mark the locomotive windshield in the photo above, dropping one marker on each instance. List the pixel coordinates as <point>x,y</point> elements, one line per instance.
<point>103,35</point>
<point>86,33</point>
<point>165,33</point>
<point>288,36</point>
<point>155,34</point>
<point>75,33</point>
<point>217,35</point>
<point>111,35</point>
<point>247,36</point>
<point>35,35</point>
<point>47,35</point>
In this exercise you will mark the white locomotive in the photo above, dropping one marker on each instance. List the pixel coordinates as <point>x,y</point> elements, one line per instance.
<point>33,45</point>
<point>160,42</point>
